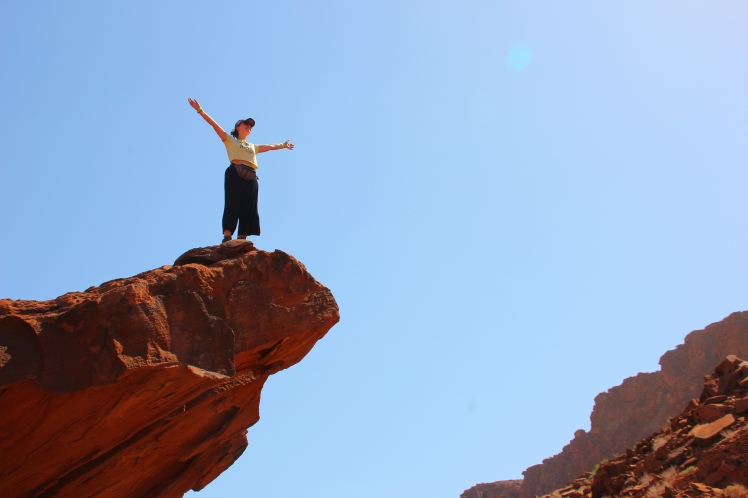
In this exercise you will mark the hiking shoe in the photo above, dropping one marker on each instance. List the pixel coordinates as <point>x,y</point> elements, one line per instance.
<point>226,238</point>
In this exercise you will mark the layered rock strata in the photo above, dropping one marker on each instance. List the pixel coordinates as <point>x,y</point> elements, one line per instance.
<point>638,407</point>
<point>702,452</point>
<point>146,386</point>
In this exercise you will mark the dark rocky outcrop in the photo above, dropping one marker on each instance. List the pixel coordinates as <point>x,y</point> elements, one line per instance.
<point>146,386</point>
<point>638,407</point>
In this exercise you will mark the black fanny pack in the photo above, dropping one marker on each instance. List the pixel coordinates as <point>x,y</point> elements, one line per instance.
<point>245,172</point>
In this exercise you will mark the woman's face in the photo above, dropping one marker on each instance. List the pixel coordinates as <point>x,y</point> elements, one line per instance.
<point>243,130</point>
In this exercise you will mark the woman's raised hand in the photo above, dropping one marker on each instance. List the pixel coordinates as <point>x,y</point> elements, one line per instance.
<point>288,145</point>
<point>194,103</point>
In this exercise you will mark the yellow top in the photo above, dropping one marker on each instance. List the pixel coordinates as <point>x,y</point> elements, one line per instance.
<point>241,150</point>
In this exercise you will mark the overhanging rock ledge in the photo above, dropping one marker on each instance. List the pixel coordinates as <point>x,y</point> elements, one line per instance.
<point>145,386</point>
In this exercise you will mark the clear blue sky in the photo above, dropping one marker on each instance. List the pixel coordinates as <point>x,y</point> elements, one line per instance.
<point>516,204</point>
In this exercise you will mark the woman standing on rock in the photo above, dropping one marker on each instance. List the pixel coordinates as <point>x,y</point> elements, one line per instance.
<point>240,182</point>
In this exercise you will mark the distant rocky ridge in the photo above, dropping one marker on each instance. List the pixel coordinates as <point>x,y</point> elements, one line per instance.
<point>145,386</point>
<point>630,412</point>
<point>505,489</point>
<point>702,452</point>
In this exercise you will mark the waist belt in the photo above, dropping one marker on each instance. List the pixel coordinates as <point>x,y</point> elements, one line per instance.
<point>245,172</point>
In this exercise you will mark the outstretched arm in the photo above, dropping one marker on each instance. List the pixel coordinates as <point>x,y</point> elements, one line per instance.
<point>195,105</point>
<point>285,145</point>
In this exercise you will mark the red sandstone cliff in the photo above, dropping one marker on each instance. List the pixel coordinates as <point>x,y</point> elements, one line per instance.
<point>146,386</point>
<point>638,407</point>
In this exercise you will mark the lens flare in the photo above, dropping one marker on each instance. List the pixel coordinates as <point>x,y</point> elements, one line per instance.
<point>518,58</point>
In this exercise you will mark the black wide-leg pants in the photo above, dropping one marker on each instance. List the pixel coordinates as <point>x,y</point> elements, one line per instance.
<point>240,204</point>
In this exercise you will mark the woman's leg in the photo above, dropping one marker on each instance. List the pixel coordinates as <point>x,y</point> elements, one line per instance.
<point>249,218</point>
<point>232,201</point>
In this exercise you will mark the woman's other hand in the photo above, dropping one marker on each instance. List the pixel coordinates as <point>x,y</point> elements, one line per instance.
<point>194,104</point>
<point>288,145</point>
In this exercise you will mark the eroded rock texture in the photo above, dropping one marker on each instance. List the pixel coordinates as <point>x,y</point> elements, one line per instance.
<point>638,407</point>
<point>146,386</point>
